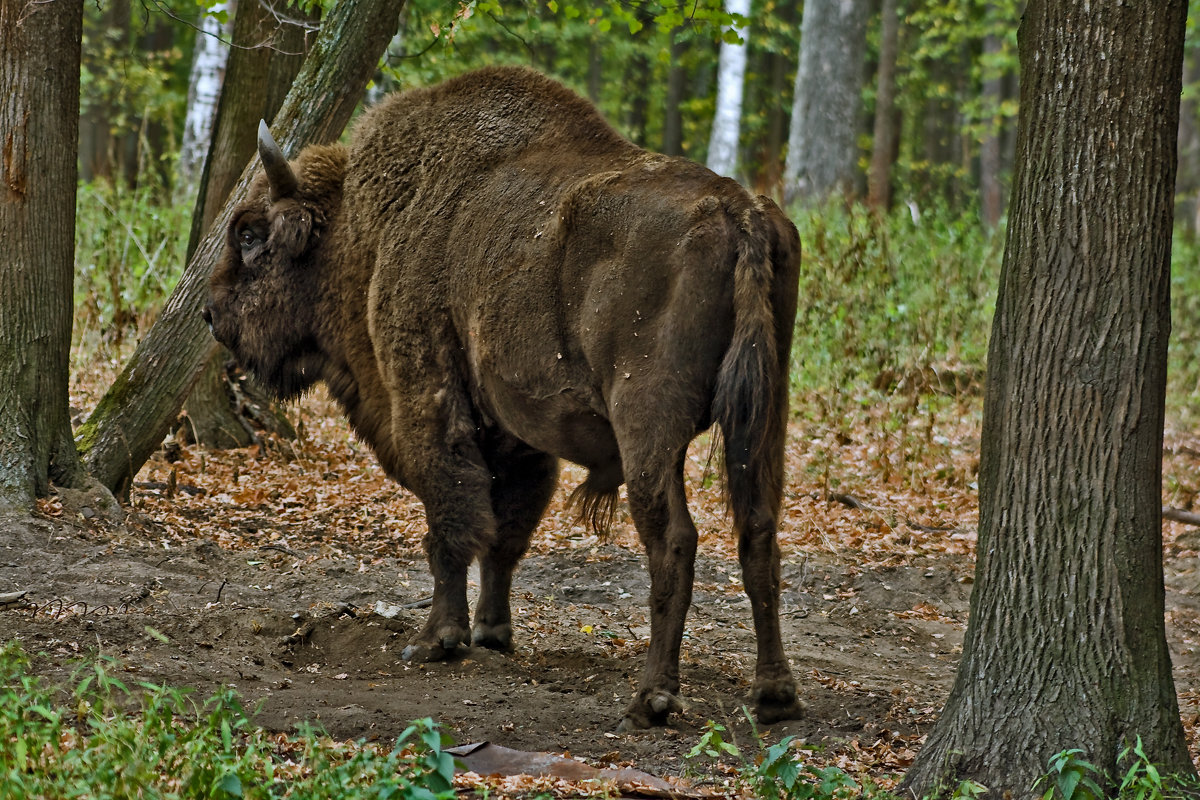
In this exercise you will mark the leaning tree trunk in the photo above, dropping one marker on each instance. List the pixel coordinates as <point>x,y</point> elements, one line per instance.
<point>1066,644</point>
<point>39,125</point>
<point>731,83</point>
<point>138,409</point>
<point>822,155</point>
<point>227,408</point>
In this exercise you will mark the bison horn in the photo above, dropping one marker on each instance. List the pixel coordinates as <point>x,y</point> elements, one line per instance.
<point>279,172</point>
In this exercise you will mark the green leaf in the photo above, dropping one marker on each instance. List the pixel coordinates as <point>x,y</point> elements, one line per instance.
<point>231,784</point>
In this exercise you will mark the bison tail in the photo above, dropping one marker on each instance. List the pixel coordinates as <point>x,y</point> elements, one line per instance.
<point>750,396</point>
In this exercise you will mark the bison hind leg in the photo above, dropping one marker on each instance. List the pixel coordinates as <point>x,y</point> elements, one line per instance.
<point>595,500</point>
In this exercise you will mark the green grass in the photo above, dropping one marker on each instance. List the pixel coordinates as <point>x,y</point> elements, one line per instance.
<point>99,739</point>
<point>129,251</point>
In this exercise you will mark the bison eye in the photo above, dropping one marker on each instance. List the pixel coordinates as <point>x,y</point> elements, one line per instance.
<point>248,238</point>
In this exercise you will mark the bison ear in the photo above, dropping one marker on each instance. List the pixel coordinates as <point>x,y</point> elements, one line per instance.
<point>279,173</point>
<point>291,229</point>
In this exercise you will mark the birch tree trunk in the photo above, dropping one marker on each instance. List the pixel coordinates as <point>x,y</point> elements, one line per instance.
<point>822,155</point>
<point>39,126</point>
<point>731,82</point>
<point>139,408</point>
<point>204,87</point>
<point>1066,644</point>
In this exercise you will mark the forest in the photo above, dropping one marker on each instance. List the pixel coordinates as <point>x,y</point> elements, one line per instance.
<point>988,528</point>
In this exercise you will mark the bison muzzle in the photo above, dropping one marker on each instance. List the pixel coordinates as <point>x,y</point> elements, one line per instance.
<point>489,278</point>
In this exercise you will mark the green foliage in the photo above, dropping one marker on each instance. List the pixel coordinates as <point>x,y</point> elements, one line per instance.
<point>100,739</point>
<point>944,65</point>
<point>133,86</point>
<point>891,333</point>
<point>129,253</point>
<point>1070,777</point>
<point>1183,349</point>
<point>884,298</point>
<point>774,773</point>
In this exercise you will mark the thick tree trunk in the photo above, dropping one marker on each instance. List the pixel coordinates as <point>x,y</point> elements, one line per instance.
<point>1066,644</point>
<point>731,83</point>
<point>139,408</point>
<point>822,155</point>
<point>886,136</point>
<point>39,124</point>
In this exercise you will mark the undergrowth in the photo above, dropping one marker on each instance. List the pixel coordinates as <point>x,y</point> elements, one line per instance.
<point>100,739</point>
<point>129,250</point>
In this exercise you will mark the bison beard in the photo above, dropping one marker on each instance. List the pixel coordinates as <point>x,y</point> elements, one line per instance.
<point>489,278</point>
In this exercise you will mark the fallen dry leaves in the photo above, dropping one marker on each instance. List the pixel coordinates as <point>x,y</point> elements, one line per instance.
<point>880,486</point>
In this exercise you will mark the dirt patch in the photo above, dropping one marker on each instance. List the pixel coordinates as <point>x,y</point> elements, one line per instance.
<point>305,612</point>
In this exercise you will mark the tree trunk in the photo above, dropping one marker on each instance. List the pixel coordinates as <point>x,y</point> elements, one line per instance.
<point>771,177</point>
<point>731,83</point>
<point>1066,644</point>
<point>672,143</point>
<point>204,88</point>
<point>991,191</point>
<point>885,138</point>
<point>139,408</point>
<point>39,125</point>
<point>822,155</point>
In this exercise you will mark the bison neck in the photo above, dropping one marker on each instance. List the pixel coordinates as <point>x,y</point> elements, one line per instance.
<point>351,371</point>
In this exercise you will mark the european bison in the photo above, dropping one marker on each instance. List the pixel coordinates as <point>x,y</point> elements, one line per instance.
<point>490,278</point>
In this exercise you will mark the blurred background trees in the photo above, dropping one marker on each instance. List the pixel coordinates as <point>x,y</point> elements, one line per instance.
<point>924,93</point>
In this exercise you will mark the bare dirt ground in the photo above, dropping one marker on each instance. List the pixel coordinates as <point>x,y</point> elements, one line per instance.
<point>286,572</point>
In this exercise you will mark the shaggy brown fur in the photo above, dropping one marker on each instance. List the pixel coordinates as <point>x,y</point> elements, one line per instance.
<point>489,278</point>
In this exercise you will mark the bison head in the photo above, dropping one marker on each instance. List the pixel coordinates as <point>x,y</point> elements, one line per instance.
<point>266,287</point>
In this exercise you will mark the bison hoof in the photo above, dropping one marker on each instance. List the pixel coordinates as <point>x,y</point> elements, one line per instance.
<point>776,700</point>
<point>493,637</point>
<point>649,709</point>
<point>442,647</point>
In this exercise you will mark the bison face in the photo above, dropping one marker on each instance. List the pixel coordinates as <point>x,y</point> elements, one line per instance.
<point>265,289</point>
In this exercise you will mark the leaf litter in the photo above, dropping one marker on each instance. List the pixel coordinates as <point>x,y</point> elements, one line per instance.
<point>240,550</point>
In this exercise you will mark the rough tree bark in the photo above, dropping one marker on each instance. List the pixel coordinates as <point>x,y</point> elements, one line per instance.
<point>731,83</point>
<point>886,136</point>
<point>822,157</point>
<point>1066,645</point>
<point>39,125</point>
<point>138,409</point>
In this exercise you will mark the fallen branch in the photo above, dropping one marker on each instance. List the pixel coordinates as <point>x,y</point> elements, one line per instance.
<point>1179,515</point>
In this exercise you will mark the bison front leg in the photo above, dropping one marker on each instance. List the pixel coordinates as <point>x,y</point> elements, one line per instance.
<point>659,510</point>
<point>524,481</point>
<point>456,493</point>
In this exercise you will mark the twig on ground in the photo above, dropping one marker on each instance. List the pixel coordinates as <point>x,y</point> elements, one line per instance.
<point>1179,515</point>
